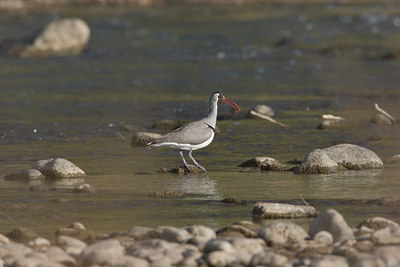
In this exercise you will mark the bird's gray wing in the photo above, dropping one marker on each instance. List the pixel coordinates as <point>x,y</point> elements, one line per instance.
<point>193,133</point>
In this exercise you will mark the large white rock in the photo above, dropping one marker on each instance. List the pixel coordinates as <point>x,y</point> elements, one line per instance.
<point>282,233</point>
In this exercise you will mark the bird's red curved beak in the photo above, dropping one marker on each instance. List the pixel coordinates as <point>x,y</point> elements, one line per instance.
<point>233,104</point>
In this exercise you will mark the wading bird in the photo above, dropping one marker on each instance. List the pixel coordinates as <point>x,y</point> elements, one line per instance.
<point>197,134</point>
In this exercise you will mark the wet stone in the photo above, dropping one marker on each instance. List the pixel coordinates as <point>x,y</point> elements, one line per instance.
<point>335,158</point>
<point>266,210</point>
<point>29,174</point>
<point>331,124</point>
<point>395,159</point>
<point>234,201</point>
<point>271,164</point>
<point>58,168</point>
<point>236,231</point>
<point>381,119</point>
<point>255,162</point>
<point>84,188</point>
<point>143,138</point>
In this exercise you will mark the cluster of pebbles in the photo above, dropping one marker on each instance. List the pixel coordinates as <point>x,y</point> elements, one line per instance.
<point>329,242</point>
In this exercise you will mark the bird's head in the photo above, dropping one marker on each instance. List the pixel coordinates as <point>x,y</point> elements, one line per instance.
<point>219,98</point>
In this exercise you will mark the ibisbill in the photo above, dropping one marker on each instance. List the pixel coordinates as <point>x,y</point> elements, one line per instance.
<point>197,134</point>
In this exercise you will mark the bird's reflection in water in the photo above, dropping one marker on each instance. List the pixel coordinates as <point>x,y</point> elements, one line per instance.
<point>199,185</point>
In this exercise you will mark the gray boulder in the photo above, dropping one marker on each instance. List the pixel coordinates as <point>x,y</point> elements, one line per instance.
<point>334,158</point>
<point>58,168</point>
<point>282,234</point>
<point>26,175</point>
<point>63,37</point>
<point>267,210</point>
<point>332,222</point>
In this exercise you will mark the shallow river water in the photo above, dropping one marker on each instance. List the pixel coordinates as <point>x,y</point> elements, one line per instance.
<point>144,65</point>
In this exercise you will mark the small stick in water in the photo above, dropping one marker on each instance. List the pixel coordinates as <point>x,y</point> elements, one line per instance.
<point>256,114</point>
<point>393,120</point>
<point>332,117</point>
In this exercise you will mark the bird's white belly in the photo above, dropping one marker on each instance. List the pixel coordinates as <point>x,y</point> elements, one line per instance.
<point>184,146</point>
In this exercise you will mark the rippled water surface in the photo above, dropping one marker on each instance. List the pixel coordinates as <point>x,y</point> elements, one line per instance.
<point>144,65</point>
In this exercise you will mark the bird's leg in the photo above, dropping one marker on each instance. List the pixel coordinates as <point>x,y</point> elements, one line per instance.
<point>184,161</point>
<point>195,162</point>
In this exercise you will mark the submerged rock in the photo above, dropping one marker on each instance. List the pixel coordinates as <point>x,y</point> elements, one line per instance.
<point>29,174</point>
<point>381,119</point>
<point>271,164</point>
<point>331,124</point>
<point>63,37</point>
<point>334,158</point>
<point>84,188</point>
<point>143,138</point>
<point>266,210</point>
<point>332,222</point>
<point>395,159</point>
<point>263,110</point>
<point>58,168</point>
<point>265,163</point>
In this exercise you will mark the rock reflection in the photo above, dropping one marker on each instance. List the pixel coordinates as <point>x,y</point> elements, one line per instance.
<point>199,185</point>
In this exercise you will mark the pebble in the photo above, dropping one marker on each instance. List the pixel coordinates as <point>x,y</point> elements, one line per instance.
<point>268,210</point>
<point>84,188</point>
<point>395,159</point>
<point>22,235</point>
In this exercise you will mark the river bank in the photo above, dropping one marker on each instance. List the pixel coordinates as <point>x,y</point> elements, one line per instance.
<point>329,241</point>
